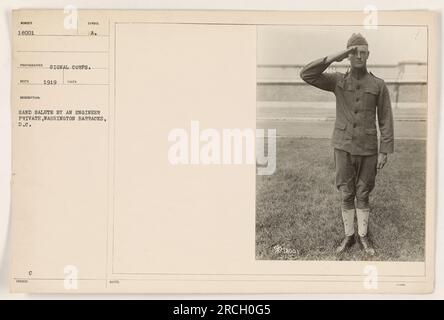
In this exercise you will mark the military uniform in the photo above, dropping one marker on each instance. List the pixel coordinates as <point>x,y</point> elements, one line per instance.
<point>358,103</point>
<point>361,98</point>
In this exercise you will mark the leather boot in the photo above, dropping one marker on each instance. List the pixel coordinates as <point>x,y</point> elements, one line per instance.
<point>346,243</point>
<point>366,245</point>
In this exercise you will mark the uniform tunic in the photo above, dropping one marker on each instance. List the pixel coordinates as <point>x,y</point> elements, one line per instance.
<point>358,103</point>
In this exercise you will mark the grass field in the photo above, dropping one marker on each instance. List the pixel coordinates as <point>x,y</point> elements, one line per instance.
<point>298,213</point>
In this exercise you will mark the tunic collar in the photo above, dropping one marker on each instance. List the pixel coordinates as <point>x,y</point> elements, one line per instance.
<point>358,74</point>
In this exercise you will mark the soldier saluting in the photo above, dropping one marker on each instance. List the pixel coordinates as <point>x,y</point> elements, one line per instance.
<point>360,98</point>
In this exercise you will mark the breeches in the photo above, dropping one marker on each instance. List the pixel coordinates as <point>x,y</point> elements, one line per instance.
<point>355,178</point>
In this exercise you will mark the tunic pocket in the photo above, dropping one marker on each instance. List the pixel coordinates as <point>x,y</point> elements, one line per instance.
<point>371,139</point>
<point>371,97</point>
<point>341,132</point>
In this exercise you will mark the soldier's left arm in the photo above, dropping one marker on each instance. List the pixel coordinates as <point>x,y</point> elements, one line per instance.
<point>385,121</point>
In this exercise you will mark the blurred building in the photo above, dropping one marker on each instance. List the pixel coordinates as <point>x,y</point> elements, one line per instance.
<point>281,85</point>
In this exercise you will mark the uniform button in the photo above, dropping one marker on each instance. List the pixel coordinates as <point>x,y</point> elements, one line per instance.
<point>357,99</point>
<point>356,111</point>
<point>354,125</point>
<point>358,87</point>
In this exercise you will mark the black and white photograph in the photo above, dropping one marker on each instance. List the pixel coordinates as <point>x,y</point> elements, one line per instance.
<point>349,106</point>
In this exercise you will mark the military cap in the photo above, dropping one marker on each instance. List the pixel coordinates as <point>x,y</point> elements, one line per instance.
<point>356,39</point>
